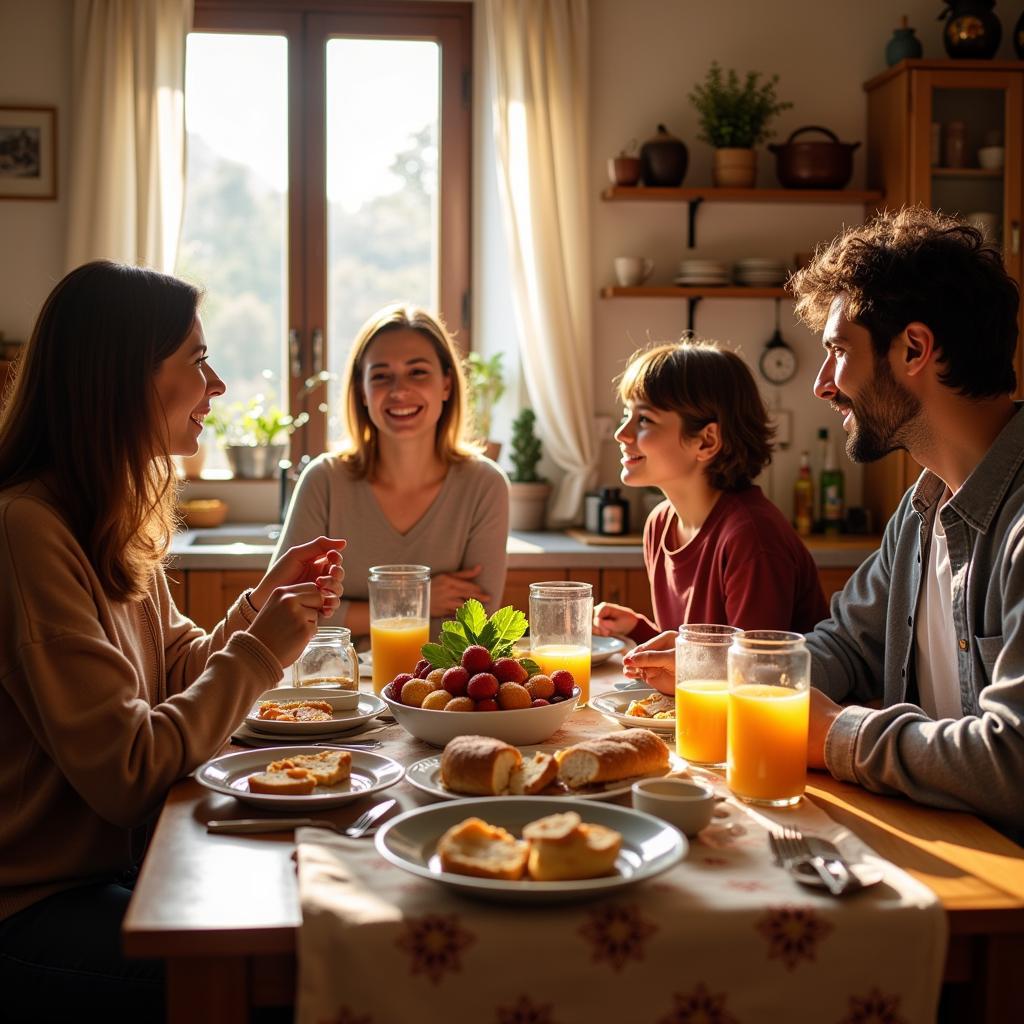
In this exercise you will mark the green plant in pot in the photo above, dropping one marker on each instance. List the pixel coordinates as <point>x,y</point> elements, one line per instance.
<point>254,435</point>
<point>528,491</point>
<point>486,379</point>
<point>734,117</point>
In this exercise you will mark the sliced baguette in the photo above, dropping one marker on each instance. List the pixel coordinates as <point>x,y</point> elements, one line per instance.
<point>327,768</point>
<point>476,848</point>
<point>478,765</point>
<point>534,775</point>
<point>613,758</point>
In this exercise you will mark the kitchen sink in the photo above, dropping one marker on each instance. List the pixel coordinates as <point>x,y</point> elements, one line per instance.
<point>265,537</point>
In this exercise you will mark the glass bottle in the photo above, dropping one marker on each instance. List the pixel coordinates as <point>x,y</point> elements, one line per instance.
<point>831,491</point>
<point>613,513</point>
<point>803,498</point>
<point>328,660</point>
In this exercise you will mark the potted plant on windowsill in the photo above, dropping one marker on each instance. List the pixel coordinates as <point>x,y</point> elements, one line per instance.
<point>486,379</point>
<point>734,118</point>
<point>528,492</point>
<point>254,435</point>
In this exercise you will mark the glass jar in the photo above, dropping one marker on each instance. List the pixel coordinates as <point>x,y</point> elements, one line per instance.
<point>399,619</point>
<point>561,624</point>
<point>328,660</point>
<point>702,692</point>
<point>769,704</point>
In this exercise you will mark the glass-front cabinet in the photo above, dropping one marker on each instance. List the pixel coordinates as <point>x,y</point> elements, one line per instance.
<point>947,134</point>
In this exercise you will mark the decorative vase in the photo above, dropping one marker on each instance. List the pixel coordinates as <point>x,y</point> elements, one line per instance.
<point>972,31</point>
<point>624,170</point>
<point>904,44</point>
<point>734,168</point>
<point>663,160</point>
<point>1018,37</point>
<point>526,505</point>
<point>255,462</point>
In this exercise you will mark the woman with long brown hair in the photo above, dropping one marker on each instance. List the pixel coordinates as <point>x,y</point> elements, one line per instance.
<point>408,488</point>
<point>107,693</point>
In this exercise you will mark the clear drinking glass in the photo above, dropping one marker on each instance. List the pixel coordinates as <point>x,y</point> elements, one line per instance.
<point>399,619</point>
<point>561,620</point>
<point>702,692</point>
<point>769,701</point>
<point>328,660</point>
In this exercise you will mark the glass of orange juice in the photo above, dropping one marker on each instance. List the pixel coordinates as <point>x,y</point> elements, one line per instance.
<point>769,702</point>
<point>399,619</point>
<point>702,692</point>
<point>561,615</point>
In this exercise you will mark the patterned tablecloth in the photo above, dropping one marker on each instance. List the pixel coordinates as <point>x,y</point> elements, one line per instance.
<point>724,937</point>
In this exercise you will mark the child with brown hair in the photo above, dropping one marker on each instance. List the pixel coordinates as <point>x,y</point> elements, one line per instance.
<point>716,550</point>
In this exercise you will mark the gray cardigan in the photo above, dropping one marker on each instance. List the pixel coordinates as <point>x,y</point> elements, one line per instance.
<point>866,650</point>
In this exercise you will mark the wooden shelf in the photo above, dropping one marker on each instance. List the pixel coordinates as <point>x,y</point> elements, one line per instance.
<point>641,193</point>
<point>965,172</point>
<point>669,291</point>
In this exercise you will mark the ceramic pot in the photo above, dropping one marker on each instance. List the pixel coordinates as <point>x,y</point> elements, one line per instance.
<point>734,168</point>
<point>663,160</point>
<point>814,164</point>
<point>255,462</point>
<point>527,505</point>
<point>904,45</point>
<point>972,30</point>
<point>624,170</point>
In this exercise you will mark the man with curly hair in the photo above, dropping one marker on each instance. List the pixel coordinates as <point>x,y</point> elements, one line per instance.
<point>919,326</point>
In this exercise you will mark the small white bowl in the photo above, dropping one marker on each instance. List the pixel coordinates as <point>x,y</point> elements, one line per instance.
<point>520,728</point>
<point>681,802</point>
<point>992,158</point>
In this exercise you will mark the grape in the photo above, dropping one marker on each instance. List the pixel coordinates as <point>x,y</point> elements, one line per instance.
<point>482,686</point>
<point>509,670</point>
<point>422,668</point>
<point>455,680</point>
<point>564,682</point>
<point>476,659</point>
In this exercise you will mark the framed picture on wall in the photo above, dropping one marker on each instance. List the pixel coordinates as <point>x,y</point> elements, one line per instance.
<point>28,152</point>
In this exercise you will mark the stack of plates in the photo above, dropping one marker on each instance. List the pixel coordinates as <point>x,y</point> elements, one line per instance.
<point>702,272</point>
<point>761,273</point>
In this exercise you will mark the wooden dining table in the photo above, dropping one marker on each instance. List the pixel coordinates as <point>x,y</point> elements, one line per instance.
<point>222,911</point>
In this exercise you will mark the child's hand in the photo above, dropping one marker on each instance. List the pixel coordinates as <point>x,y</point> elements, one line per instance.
<point>654,662</point>
<point>614,619</point>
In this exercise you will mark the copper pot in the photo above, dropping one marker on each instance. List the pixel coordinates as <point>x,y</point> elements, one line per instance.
<point>814,164</point>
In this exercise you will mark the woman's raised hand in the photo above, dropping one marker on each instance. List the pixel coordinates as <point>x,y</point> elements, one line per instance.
<point>451,589</point>
<point>288,620</point>
<point>318,562</point>
<point>654,662</point>
<point>614,619</point>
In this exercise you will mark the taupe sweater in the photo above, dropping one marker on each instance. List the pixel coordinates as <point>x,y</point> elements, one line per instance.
<point>103,705</point>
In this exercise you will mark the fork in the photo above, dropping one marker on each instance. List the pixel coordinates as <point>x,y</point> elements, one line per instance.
<point>790,848</point>
<point>362,826</point>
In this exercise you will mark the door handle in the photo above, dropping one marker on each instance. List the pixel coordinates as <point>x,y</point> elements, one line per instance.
<point>318,351</point>
<point>295,353</point>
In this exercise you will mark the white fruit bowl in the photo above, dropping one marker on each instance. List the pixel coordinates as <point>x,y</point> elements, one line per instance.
<point>522,727</point>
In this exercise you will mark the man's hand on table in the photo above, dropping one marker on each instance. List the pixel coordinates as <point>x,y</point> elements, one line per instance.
<point>654,662</point>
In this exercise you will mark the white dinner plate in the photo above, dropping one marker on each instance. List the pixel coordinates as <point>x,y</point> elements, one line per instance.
<point>649,846</point>
<point>369,706</point>
<point>425,774</point>
<point>601,647</point>
<point>613,705</point>
<point>228,774</point>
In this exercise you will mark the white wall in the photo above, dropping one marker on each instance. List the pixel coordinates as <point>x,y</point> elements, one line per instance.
<point>35,60</point>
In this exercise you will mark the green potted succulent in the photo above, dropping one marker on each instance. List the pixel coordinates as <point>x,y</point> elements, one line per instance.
<point>734,117</point>
<point>486,380</point>
<point>528,491</point>
<point>254,435</point>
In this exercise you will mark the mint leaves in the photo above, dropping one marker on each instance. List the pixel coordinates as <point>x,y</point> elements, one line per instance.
<point>470,626</point>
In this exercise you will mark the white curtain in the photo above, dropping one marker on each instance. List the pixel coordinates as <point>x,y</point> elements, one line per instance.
<point>128,130</point>
<point>538,56</point>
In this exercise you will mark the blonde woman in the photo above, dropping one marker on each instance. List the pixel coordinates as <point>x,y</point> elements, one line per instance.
<point>408,489</point>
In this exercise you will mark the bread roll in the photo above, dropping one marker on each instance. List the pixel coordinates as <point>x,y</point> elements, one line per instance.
<point>478,765</point>
<point>533,776</point>
<point>285,782</point>
<point>563,848</point>
<point>327,768</point>
<point>484,851</point>
<point>613,758</point>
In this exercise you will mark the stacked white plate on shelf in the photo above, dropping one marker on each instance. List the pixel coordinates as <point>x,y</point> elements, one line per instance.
<point>694,273</point>
<point>760,273</point>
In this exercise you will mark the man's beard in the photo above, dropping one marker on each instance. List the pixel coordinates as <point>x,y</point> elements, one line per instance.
<point>879,416</point>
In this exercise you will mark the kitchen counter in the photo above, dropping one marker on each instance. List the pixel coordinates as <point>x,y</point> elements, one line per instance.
<point>250,546</point>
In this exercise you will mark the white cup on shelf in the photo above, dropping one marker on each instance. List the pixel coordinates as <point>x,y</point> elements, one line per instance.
<point>632,270</point>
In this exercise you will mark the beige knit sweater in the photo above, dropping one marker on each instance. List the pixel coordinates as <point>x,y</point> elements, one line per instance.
<point>103,705</point>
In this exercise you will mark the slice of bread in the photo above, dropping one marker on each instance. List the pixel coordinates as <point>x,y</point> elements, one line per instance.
<point>534,775</point>
<point>327,768</point>
<point>478,765</point>
<point>612,758</point>
<point>282,782</point>
<point>484,851</point>
<point>562,848</point>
